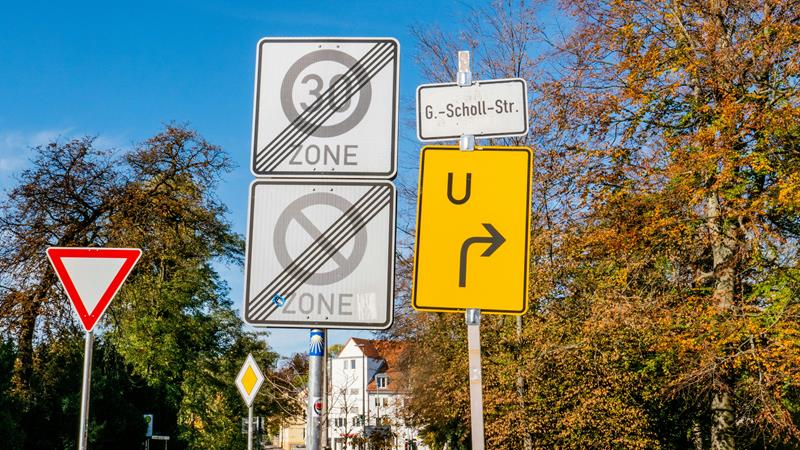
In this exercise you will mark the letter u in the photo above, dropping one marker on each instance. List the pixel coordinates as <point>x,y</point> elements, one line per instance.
<point>467,190</point>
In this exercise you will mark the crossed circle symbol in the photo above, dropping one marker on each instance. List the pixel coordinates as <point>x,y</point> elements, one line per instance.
<point>287,92</point>
<point>295,213</point>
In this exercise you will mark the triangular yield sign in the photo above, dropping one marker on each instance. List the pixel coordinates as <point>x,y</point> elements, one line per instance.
<point>92,276</point>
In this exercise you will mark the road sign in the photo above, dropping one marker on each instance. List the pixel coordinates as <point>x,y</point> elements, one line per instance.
<point>249,380</point>
<point>91,277</point>
<point>148,419</point>
<point>473,227</point>
<point>320,254</point>
<point>326,107</point>
<point>493,108</point>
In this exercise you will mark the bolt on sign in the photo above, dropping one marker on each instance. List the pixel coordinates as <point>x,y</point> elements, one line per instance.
<point>320,253</point>
<point>326,107</point>
<point>473,230</point>
<point>249,380</point>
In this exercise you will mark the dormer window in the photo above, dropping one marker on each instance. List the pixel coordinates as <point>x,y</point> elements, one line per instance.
<point>382,381</point>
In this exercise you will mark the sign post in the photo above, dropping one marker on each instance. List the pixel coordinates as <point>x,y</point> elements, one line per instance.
<point>91,277</point>
<point>472,200</point>
<point>472,316</point>
<point>320,246</point>
<point>316,351</point>
<point>85,386</point>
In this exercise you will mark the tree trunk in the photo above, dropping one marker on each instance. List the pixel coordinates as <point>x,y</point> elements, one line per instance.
<point>23,367</point>
<point>723,245</point>
<point>697,436</point>
<point>722,422</point>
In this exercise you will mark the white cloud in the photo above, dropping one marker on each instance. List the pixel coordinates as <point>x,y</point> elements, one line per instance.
<point>15,146</point>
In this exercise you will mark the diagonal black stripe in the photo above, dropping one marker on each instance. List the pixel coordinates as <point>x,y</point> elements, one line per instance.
<point>308,128</point>
<point>312,120</point>
<point>315,116</point>
<point>285,150</point>
<point>344,84</point>
<point>331,234</point>
<point>316,106</point>
<point>309,265</point>
<point>334,245</point>
<point>290,289</point>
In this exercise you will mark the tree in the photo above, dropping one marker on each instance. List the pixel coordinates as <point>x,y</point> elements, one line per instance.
<point>665,230</point>
<point>170,329</point>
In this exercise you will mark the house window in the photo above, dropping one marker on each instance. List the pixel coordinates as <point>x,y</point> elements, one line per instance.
<point>339,422</point>
<point>382,382</point>
<point>385,401</point>
<point>352,363</point>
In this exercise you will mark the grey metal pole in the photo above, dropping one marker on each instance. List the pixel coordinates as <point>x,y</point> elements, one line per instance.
<point>315,363</point>
<point>325,417</point>
<point>473,319</point>
<point>83,431</point>
<point>250,427</point>
<point>472,316</point>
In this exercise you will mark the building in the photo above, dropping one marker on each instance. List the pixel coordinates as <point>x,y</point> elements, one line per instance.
<point>367,396</point>
<point>291,434</point>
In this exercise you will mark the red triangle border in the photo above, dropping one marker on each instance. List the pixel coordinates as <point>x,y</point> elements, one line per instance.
<point>90,318</point>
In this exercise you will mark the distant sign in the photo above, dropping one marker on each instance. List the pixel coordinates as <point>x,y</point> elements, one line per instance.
<point>148,419</point>
<point>473,228</point>
<point>249,380</point>
<point>493,108</point>
<point>320,254</point>
<point>326,107</point>
<point>91,277</point>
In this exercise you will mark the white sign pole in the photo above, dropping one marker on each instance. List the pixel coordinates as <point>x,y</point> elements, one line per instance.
<point>250,427</point>
<point>83,431</point>
<point>472,316</point>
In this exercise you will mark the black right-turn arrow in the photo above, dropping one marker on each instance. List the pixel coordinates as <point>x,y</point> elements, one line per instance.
<point>495,238</point>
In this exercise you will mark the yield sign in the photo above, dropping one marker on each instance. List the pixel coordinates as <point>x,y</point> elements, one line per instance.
<point>249,380</point>
<point>92,276</point>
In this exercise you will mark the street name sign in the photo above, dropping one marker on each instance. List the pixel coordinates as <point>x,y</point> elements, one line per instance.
<point>249,380</point>
<point>320,253</point>
<point>493,108</point>
<point>91,277</point>
<point>326,107</point>
<point>473,230</point>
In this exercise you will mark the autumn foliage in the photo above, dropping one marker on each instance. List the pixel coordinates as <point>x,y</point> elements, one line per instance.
<point>666,222</point>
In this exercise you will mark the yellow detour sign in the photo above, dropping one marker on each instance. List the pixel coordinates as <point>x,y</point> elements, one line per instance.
<point>249,380</point>
<point>473,228</point>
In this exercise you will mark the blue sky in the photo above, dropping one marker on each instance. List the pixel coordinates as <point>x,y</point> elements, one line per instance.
<point>119,70</point>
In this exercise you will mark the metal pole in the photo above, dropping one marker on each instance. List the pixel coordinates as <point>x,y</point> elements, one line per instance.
<point>325,417</point>
<point>250,427</point>
<point>473,319</point>
<point>83,431</point>
<point>315,362</point>
<point>472,315</point>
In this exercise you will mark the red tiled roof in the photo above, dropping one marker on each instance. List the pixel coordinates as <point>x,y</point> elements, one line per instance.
<point>390,352</point>
<point>367,347</point>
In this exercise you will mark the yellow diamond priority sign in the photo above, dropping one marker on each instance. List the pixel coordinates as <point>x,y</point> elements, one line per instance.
<point>473,230</point>
<point>249,380</point>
